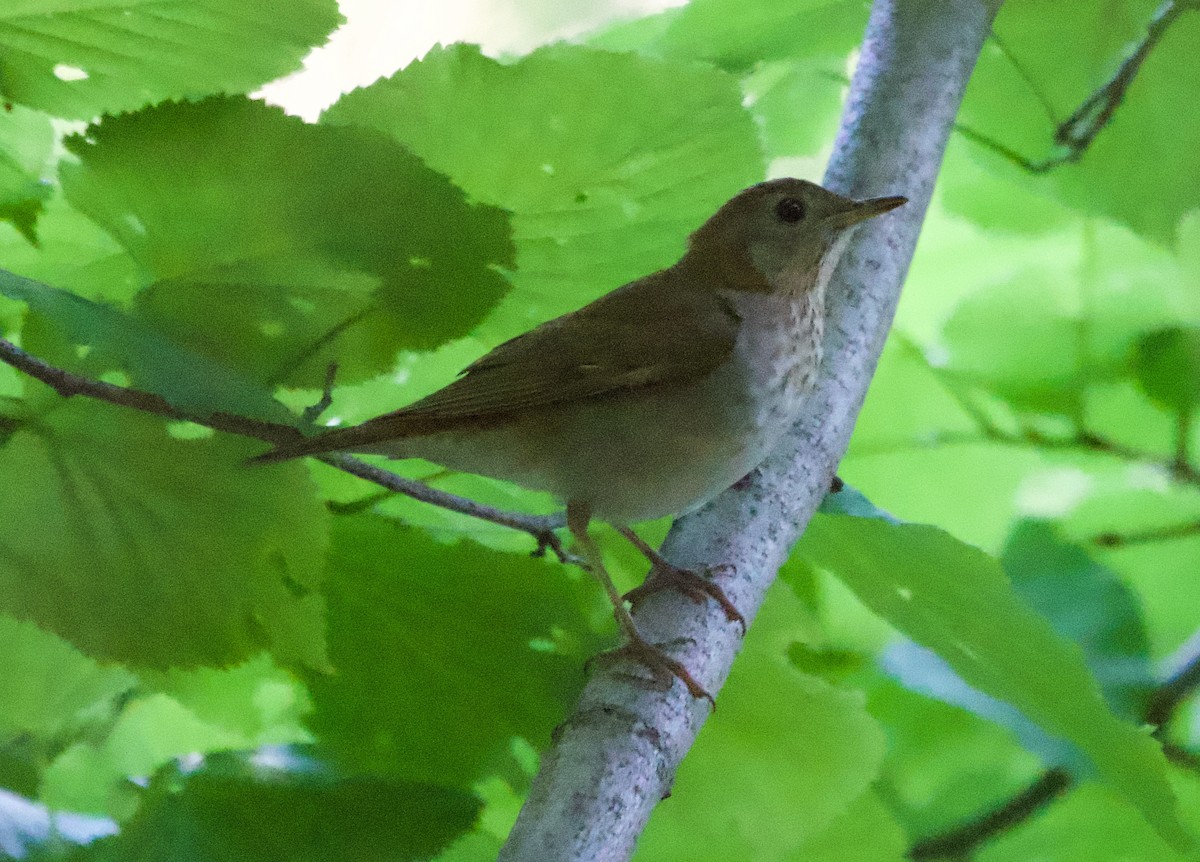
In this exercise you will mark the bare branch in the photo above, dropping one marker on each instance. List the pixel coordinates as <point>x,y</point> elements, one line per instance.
<point>540,527</point>
<point>615,758</point>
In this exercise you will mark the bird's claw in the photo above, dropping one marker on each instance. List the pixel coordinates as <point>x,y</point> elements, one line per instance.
<point>661,666</point>
<point>664,576</point>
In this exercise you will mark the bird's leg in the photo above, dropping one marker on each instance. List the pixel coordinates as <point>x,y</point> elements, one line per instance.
<point>635,647</point>
<point>666,575</point>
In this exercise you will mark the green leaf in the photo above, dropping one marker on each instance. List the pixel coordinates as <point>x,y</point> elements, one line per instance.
<point>1091,823</point>
<point>1084,602</point>
<point>105,339</point>
<point>797,104</point>
<point>1035,360</point>
<point>607,161</point>
<point>1087,603</point>
<point>782,742</point>
<point>229,814</point>
<point>736,35</point>
<point>1167,365</point>
<point>1139,170</point>
<point>907,404</point>
<point>792,57</point>
<point>278,247</point>
<point>864,832</point>
<point>955,599</point>
<point>415,696</point>
<point>1069,321</point>
<point>73,253</point>
<point>26,139</point>
<point>46,686</point>
<point>258,700</point>
<point>81,58</point>
<point>193,558</point>
<point>199,711</point>
<point>994,196</point>
<point>945,765</point>
<point>92,776</point>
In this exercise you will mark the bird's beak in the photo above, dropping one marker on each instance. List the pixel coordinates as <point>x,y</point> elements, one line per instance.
<point>862,210</point>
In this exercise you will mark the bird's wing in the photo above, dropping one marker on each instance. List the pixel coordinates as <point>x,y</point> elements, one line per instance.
<point>648,333</point>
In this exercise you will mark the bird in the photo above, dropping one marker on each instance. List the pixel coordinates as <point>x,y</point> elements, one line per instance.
<point>652,399</point>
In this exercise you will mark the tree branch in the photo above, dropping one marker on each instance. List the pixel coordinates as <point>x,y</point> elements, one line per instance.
<point>616,756</point>
<point>960,841</point>
<point>66,384</point>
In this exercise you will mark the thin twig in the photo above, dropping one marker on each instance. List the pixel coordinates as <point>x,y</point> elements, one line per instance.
<point>67,384</point>
<point>1077,132</point>
<point>961,841</point>
<point>1183,439</point>
<point>1143,537</point>
<point>311,349</point>
<point>1074,135</point>
<point>1180,468</point>
<point>1182,681</point>
<point>541,527</point>
<point>313,412</point>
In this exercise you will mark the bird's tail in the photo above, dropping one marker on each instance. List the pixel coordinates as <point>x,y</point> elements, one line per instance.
<point>335,440</point>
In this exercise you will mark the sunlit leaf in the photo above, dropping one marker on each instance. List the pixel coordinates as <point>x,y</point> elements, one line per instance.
<point>345,251</point>
<point>82,58</point>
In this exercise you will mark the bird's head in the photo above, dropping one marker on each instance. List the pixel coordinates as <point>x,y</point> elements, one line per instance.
<point>782,235</point>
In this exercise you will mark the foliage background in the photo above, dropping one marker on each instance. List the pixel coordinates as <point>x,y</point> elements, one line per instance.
<point>209,662</point>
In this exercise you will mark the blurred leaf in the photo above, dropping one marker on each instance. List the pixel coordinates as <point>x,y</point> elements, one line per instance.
<point>81,58</point>
<point>205,710</point>
<point>26,139</point>
<point>929,484</point>
<point>346,250</point>
<point>797,102</point>
<point>258,700</point>
<point>736,35</point>
<point>46,686</point>
<point>864,832</point>
<point>996,197</point>
<point>1167,365</point>
<point>782,742</point>
<point>944,764</point>
<point>955,599</point>
<point>1043,334</point>
<point>93,776</point>
<point>607,161</point>
<point>1087,603</point>
<point>226,815</point>
<point>907,404</point>
<point>1089,824</point>
<point>1034,359</point>
<point>415,695</point>
<point>192,558</point>
<point>73,253</point>
<point>1139,169</point>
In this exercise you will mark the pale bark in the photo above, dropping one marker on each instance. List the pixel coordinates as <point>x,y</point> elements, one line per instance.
<point>616,756</point>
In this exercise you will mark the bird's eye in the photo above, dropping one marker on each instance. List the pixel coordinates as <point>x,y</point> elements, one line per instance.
<point>790,210</point>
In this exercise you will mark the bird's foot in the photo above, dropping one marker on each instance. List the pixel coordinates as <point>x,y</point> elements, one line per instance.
<point>662,667</point>
<point>668,576</point>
